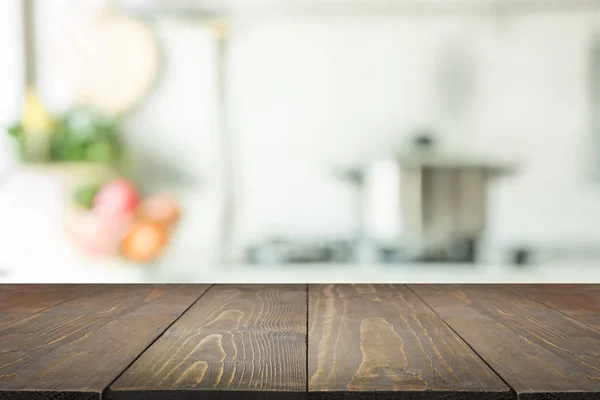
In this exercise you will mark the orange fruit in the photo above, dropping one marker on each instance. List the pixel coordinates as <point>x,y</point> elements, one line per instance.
<point>144,242</point>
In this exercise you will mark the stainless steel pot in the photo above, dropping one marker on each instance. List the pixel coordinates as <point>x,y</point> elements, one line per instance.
<point>428,206</point>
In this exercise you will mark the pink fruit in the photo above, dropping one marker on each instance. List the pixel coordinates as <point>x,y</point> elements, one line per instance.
<point>116,198</point>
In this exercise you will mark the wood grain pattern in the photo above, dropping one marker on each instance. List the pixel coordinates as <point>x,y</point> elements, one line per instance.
<point>381,341</point>
<point>20,301</point>
<point>581,302</point>
<point>239,341</point>
<point>540,352</point>
<point>75,349</point>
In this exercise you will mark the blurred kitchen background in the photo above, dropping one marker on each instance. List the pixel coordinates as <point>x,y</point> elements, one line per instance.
<point>300,140</point>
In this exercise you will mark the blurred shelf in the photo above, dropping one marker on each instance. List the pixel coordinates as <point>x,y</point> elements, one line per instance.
<point>266,8</point>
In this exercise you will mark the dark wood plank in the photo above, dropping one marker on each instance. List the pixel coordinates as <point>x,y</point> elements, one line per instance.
<point>75,349</point>
<point>581,302</point>
<point>237,341</point>
<point>381,341</point>
<point>540,352</point>
<point>20,301</point>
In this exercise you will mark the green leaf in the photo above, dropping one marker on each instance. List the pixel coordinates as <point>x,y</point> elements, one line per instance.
<point>15,130</point>
<point>100,151</point>
<point>84,196</point>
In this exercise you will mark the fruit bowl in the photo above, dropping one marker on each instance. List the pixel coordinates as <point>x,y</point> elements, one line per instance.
<point>116,220</point>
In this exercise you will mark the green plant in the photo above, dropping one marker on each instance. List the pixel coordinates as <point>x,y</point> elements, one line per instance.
<point>79,135</point>
<point>84,196</point>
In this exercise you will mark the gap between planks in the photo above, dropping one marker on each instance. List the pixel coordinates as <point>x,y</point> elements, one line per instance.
<point>104,394</point>
<point>513,392</point>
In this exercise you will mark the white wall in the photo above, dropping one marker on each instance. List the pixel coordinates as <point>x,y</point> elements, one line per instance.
<point>538,105</point>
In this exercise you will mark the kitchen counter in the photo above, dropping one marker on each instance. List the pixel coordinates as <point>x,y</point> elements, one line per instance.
<point>362,341</point>
<point>186,268</point>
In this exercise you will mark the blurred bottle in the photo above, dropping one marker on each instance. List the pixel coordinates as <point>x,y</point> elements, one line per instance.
<point>37,126</point>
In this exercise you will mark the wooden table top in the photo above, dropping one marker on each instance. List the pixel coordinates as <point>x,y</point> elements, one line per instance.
<point>134,342</point>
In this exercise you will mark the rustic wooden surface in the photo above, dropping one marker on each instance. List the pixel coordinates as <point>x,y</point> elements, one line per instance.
<point>577,301</point>
<point>246,338</point>
<point>75,349</point>
<point>127,342</point>
<point>382,338</point>
<point>539,351</point>
<point>20,301</point>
